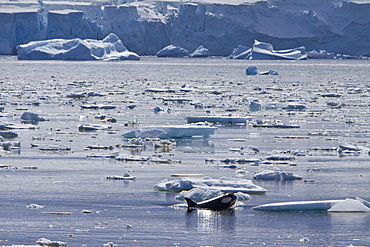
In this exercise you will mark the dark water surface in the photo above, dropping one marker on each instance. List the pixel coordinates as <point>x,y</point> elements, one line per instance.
<point>132,213</point>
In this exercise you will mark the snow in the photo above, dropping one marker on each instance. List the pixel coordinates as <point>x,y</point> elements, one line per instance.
<point>225,184</point>
<point>110,48</point>
<point>171,131</point>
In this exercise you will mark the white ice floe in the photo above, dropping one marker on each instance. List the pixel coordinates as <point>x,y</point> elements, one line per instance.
<point>172,131</point>
<point>341,205</point>
<point>225,184</point>
<point>33,117</point>
<point>275,175</point>
<point>200,52</point>
<point>172,51</point>
<point>110,48</point>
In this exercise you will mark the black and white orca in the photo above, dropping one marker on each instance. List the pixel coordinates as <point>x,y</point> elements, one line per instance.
<point>217,203</point>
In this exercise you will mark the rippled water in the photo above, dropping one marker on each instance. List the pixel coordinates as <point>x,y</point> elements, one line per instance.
<point>131,213</point>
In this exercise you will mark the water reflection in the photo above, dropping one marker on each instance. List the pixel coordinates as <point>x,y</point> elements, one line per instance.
<point>195,145</point>
<point>208,221</point>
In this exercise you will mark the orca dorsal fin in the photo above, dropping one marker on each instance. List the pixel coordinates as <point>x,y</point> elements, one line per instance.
<point>191,204</point>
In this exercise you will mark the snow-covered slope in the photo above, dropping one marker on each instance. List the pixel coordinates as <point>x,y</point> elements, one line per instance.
<point>145,27</point>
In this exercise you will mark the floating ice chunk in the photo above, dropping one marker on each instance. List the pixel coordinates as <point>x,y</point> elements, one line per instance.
<point>125,176</point>
<point>252,70</point>
<point>218,119</point>
<point>33,117</point>
<point>172,51</point>
<point>255,106</point>
<point>295,106</point>
<point>98,107</point>
<point>322,54</point>
<point>275,175</point>
<point>349,147</point>
<point>47,242</point>
<point>225,184</point>
<point>172,131</point>
<point>349,205</point>
<point>78,95</point>
<point>8,134</point>
<point>34,206</point>
<point>110,48</point>
<point>298,205</point>
<point>21,126</point>
<point>200,52</point>
<point>92,127</point>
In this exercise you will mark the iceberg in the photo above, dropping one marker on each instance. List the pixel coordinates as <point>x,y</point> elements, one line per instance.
<point>172,51</point>
<point>200,52</point>
<point>172,131</point>
<point>110,48</point>
<point>225,184</point>
<point>265,51</point>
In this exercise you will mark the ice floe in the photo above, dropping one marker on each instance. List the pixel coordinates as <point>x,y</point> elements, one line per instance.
<point>172,131</point>
<point>219,119</point>
<point>48,242</point>
<point>225,184</point>
<point>341,205</point>
<point>110,48</point>
<point>92,127</point>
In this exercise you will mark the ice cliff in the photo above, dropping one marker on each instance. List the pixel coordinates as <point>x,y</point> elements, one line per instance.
<point>145,27</point>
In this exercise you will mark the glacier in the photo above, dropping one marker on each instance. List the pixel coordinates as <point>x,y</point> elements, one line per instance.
<point>145,27</point>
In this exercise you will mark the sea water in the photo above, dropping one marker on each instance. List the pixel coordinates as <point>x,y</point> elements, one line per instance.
<point>82,208</point>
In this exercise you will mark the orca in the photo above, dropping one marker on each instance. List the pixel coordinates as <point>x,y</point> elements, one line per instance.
<point>217,203</point>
